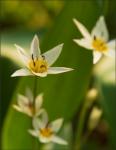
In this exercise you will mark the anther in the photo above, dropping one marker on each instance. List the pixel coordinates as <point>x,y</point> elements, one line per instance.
<point>42,66</point>
<point>33,60</point>
<point>47,124</point>
<point>94,37</point>
<point>43,57</point>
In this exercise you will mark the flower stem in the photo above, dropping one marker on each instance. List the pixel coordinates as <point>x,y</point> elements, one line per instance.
<point>34,89</point>
<point>78,141</point>
<point>35,142</point>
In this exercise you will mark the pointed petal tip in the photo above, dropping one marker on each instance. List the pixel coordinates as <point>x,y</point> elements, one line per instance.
<point>13,75</point>
<point>75,40</point>
<point>36,36</point>
<point>61,45</point>
<point>17,46</point>
<point>101,17</point>
<point>74,20</point>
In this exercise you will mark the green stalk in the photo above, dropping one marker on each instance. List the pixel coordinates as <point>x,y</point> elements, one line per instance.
<point>35,141</point>
<point>34,89</point>
<point>81,126</point>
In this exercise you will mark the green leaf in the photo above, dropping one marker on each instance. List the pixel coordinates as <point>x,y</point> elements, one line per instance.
<point>62,93</point>
<point>6,67</point>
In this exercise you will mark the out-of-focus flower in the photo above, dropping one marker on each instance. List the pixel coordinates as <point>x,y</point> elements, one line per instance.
<point>26,104</point>
<point>46,131</point>
<point>97,40</point>
<point>94,118</point>
<point>39,64</point>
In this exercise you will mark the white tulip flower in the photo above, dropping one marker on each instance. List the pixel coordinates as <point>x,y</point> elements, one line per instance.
<point>46,131</point>
<point>27,106</point>
<point>38,64</point>
<point>97,40</point>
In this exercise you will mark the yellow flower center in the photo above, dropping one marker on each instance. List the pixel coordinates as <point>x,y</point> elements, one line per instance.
<point>46,132</point>
<point>99,44</point>
<point>38,65</point>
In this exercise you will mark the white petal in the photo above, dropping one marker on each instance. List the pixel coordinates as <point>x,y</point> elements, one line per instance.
<point>22,72</point>
<point>33,132</point>
<point>39,112</point>
<point>84,43</point>
<point>44,139</point>
<point>24,56</point>
<point>44,74</point>
<point>35,49</point>
<point>38,102</point>
<point>59,140</point>
<point>56,70</point>
<point>100,29</point>
<point>38,123</point>
<point>44,117</point>
<point>41,121</point>
<point>24,110</point>
<point>82,29</point>
<point>29,94</point>
<point>111,49</point>
<point>96,56</point>
<point>52,55</point>
<point>22,100</point>
<point>56,125</point>
<point>17,108</point>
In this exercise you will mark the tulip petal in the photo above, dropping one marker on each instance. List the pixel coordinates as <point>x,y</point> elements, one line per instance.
<point>56,125</point>
<point>82,29</point>
<point>56,70</point>
<point>44,139</point>
<point>22,72</point>
<point>38,102</point>
<point>35,49</point>
<point>17,108</point>
<point>96,56</point>
<point>41,121</point>
<point>33,132</point>
<point>22,100</point>
<point>84,43</point>
<point>59,140</point>
<point>52,55</point>
<point>24,56</point>
<point>29,94</point>
<point>100,30</point>
<point>111,52</point>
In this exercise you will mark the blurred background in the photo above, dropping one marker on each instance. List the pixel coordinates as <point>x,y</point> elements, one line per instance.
<point>86,97</point>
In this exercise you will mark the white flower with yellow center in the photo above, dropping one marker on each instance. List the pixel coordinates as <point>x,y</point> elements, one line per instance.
<point>97,40</point>
<point>39,64</point>
<point>27,106</point>
<point>46,131</point>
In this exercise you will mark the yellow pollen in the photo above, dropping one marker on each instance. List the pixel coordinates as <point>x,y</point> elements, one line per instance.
<point>38,65</point>
<point>99,45</point>
<point>46,132</point>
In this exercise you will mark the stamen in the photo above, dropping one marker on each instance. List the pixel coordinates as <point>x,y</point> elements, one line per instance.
<point>42,66</point>
<point>43,57</point>
<point>33,60</point>
<point>47,125</point>
<point>94,37</point>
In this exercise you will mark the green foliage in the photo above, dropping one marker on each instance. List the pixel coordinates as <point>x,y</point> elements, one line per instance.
<point>63,93</point>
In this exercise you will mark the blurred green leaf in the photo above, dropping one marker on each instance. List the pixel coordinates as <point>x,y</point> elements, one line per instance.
<point>62,93</point>
<point>7,86</point>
